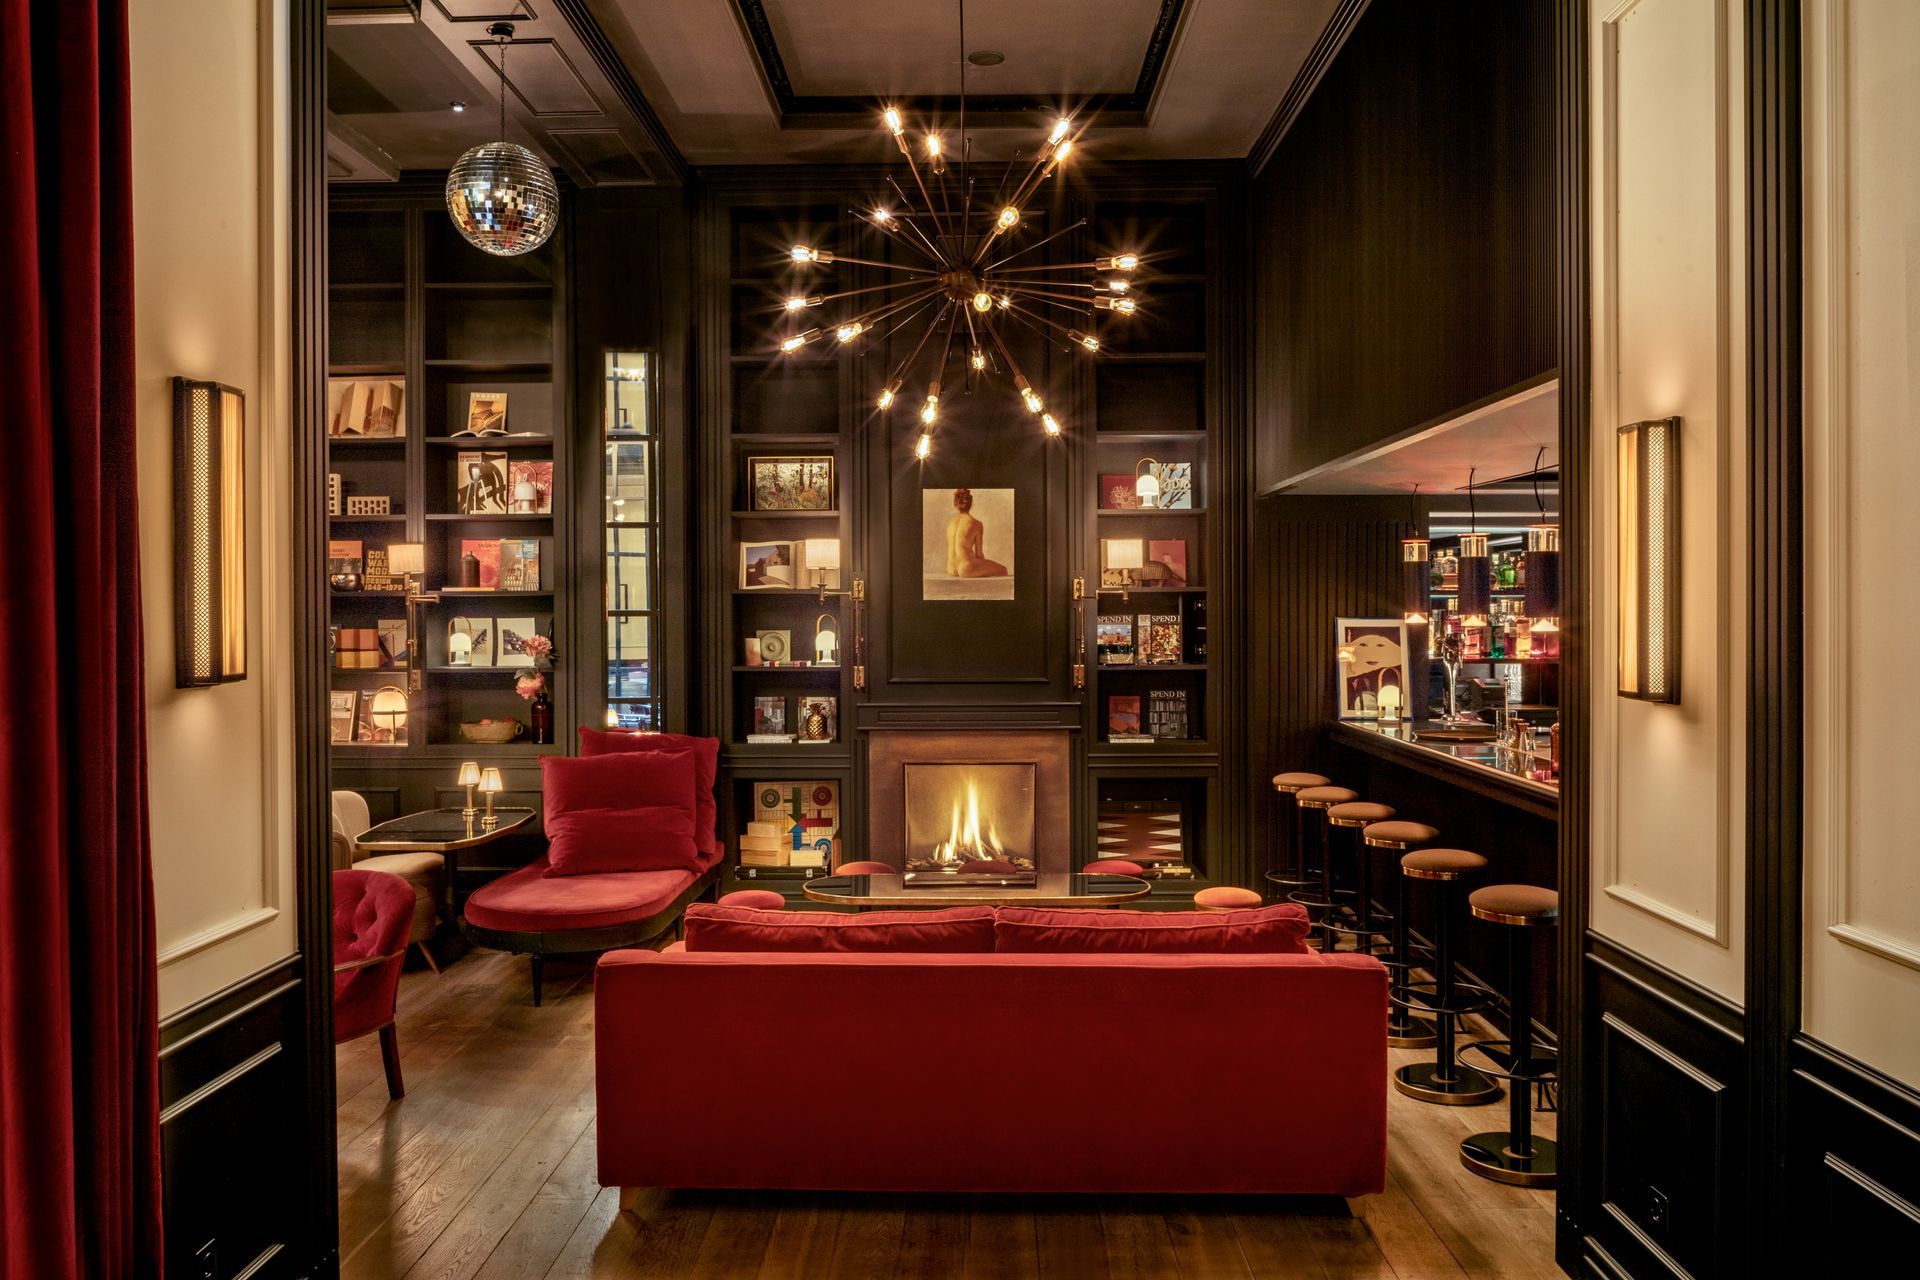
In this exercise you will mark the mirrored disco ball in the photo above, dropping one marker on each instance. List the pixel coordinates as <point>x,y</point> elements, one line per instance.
<point>503,199</point>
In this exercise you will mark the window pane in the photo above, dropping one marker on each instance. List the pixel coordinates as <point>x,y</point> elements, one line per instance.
<point>629,569</point>
<point>629,481</point>
<point>627,639</point>
<point>631,679</point>
<point>632,715</point>
<point>627,399</point>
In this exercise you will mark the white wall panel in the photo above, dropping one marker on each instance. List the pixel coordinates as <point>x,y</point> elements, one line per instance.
<point>1862,210</point>
<point>1668,220</point>
<point>210,267</point>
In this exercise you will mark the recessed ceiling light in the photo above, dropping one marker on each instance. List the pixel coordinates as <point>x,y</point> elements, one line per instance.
<point>986,57</point>
<point>458,106</point>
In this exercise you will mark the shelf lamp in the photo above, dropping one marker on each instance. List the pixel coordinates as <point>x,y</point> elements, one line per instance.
<point>389,713</point>
<point>490,786</point>
<point>469,778</point>
<point>1476,570</point>
<point>1649,520</point>
<point>209,534</point>
<point>409,560</point>
<point>826,642</point>
<point>1126,555</point>
<point>1146,483</point>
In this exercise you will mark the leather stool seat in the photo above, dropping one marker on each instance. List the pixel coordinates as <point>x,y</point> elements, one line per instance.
<point>1521,904</point>
<point>759,899</point>
<point>1399,834</point>
<point>1226,897</point>
<point>1324,797</point>
<point>1358,813</point>
<point>1298,781</point>
<point>1441,864</point>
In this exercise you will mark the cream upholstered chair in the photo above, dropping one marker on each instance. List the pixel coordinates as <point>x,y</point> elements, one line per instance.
<point>422,871</point>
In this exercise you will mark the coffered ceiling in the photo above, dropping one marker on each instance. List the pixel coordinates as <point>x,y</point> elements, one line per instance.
<point>631,90</point>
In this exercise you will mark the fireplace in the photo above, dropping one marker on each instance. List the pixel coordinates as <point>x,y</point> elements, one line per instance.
<point>938,798</point>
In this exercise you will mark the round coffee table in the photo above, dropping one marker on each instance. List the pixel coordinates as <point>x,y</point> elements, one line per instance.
<point>1049,889</point>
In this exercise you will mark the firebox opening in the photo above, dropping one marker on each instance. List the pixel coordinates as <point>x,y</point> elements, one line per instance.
<point>961,812</point>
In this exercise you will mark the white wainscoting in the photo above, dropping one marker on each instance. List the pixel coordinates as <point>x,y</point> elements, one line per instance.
<point>1668,290</point>
<point>1862,238</point>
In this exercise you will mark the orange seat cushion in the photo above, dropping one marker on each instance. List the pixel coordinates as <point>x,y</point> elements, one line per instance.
<point>1442,864</point>
<point>1226,897</point>
<point>1401,832</point>
<point>1506,903</point>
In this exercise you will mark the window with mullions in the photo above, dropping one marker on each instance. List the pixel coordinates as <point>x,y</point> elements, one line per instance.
<point>632,524</point>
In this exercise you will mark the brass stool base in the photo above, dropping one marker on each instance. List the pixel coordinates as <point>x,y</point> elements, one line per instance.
<point>1467,1088</point>
<point>1487,1155</point>
<point>1413,1034</point>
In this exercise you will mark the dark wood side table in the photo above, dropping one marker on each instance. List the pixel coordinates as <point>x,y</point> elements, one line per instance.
<point>447,832</point>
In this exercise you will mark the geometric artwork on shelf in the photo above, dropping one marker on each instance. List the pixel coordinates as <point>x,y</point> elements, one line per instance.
<point>1142,831</point>
<point>379,505</point>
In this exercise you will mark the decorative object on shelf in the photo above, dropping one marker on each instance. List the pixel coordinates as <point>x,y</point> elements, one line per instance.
<point>959,284</point>
<point>776,647</point>
<point>387,709</point>
<point>1113,641</point>
<point>378,575</point>
<point>1372,653</point>
<point>826,640</point>
<point>490,786</point>
<point>520,643</point>
<point>469,642</point>
<point>1167,715</point>
<point>1123,557</point>
<point>1648,482</point>
<point>769,719</point>
<point>1476,571</point>
<point>409,560</point>
<point>768,566</point>
<point>209,533</point>
<point>821,558</point>
<point>391,634</point>
<point>340,708</point>
<point>480,484</point>
<point>967,544</point>
<point>1169,554</point>
<point>1390,704</point>
<point>1117,493</point>
<point>486,414</point>
<point>333,493</point>
<point>502,199</point>
<point>370,505</point>
<point>519,564</point>
<point>1175,480</point>
<point>791,483</point>
<point>491,732</point>
<point>356,648</point>
<point>486,558</point>
<point>343,564</point>
<point>366,407</point>
<point>819,718</point>
<point>1123,719</point>
<point>469,567</point>
<point>1157,638</point>
<point>468,778</point>
<point>1146,483</point>
<point>751,646</point>
<point>531,487</point>
<point>1416,572</point>
<point>532,686</point>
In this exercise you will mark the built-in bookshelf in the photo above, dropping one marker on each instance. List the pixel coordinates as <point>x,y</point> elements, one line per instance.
<point>430,337</point>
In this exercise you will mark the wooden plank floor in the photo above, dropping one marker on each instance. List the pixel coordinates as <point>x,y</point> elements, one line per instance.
<point>486,1172</point>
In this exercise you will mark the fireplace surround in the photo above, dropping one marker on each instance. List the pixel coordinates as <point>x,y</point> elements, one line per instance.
<point>1011,786</point>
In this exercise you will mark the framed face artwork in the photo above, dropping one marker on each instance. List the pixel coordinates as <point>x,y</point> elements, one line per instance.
<point>1371,653</point>
<point>791,484</point>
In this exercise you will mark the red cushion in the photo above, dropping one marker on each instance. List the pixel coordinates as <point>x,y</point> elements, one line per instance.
<point>627,812</point>
<point>755,899</point>
<point>1280,929</point>
<point>726,928</point>
<point>706,762</point>
<point>371,912</point>
<point>531,901</point>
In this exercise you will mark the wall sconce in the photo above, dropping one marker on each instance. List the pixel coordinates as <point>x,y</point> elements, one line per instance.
<point>490,786</point>
<point>1126,555</point>
<point>209,533</point>
<point>826,641</point>
<point>409,560</point>
<point>1649,496</point>
<point>1146,483</point>
<point>823,557</point>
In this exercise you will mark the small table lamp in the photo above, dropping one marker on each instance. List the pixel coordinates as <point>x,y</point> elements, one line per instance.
<point>1146,482</point>
<point>823,557</point>
<point>1126,555</point>
<point>490,787</point>
<point>826,642</point>
<point>1389,703</point>
<point>469,778</point>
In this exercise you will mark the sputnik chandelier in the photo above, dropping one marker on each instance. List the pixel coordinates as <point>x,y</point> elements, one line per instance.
<point>965,282</point>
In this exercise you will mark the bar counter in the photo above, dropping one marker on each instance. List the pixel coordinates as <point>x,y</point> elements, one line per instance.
<point>1480,767</point>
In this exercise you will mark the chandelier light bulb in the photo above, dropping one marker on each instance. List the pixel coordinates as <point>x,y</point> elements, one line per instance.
<point>933,144</point>
<point>894,125</point>
<point>799,340</point>
<point>930,411</point>
<point>1124,261</point>
<point>888,392</point>
<point>1062,151</point>
<point>798,303</point>
<point>1006,300</point>
<point>1052,426</point>
<point>983,301</point>
<point>1125,306</point>
<point>923,446</point>
<point>848,332</point>
<point>883,217</point>
<point>801,253</point>
<point>978,359</point>
<point>1032,399</point>
<point>1060,128</point>
<point>1086,340</point>
<point>1009,217</point>
<point>1117,285</point>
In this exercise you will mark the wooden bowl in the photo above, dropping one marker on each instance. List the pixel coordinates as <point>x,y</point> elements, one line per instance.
<point>491,731</point>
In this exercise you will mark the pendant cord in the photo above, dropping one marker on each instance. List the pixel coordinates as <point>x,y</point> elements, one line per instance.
<point>503,88</point>
<point>1538,458</point>
<point>963,111</point>
<point>1473,515</point>
<point>1414,503</point>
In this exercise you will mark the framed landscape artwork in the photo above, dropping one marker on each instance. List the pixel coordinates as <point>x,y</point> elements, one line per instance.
<point>791,484</point>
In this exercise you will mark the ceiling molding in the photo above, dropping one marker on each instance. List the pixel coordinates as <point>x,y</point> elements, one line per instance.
<point>582,22</point>
<point>831,111</point>
<point>1319,59</point>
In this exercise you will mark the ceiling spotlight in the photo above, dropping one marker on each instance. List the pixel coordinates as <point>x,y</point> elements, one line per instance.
<point>986,57</point>
<point>456,106</point>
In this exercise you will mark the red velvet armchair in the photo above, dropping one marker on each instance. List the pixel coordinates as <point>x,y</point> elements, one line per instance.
<point>372,911</point>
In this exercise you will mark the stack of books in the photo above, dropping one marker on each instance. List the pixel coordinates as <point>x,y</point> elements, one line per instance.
<point>767,844</point>
<point>357,649</point>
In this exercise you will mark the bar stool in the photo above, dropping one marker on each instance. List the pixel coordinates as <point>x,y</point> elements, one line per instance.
<point>1353,816</point>
<point>1404,1030</point>
<point>1293,873</point>
<point>1444,1080</point>
<point>1515,1156</point>
<point>1226,897</point>
<point>1319,800</point>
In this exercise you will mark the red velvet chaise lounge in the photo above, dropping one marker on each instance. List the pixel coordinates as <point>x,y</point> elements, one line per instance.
<point>631,843</point>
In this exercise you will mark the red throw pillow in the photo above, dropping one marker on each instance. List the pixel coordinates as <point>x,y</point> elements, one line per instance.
<point>716,928</point>
<point>627,812</point>
<point>1278,929</point>
<point>706,757</point>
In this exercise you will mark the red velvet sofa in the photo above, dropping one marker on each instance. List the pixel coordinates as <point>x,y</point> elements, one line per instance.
<point>996,1071</point>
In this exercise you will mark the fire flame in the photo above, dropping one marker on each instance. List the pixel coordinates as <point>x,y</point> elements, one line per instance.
<point>964,841</point>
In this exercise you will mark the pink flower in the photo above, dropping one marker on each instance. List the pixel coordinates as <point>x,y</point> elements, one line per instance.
<point>530,684</point>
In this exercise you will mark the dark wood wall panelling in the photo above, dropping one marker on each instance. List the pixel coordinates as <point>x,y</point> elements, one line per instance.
<point>1404,233</point>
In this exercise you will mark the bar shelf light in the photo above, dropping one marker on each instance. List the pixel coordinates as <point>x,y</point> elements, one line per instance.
<point>1648,479</point>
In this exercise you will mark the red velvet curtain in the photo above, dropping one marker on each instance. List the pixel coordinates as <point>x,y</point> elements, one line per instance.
<point>79,1096</point>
